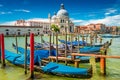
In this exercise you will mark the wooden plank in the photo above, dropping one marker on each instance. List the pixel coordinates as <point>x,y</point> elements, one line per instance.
<point>60,58</point>
<point>94,55</point>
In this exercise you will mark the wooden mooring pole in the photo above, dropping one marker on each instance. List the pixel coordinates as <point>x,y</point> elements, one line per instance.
<point>66,44</point>
<point>2,50</point>
<point>32,55</point>
<point>110,41</point>
<point>50,46</point>
<point>78,43</point>
<point>100,39</point>
<point>71,43</point>
<point>16,43</point>
<point>53,37</point>
<point>40,38</point>
<point>96,37</point>
<point>103,65</point>
<point>25,66</point>
<point>103,61</point>
<point>56,47</point>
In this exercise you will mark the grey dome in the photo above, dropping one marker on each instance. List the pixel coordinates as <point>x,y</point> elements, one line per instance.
<point>54,16</point>
<point>62,12</point>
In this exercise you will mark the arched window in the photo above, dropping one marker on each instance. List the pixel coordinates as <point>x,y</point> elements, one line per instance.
<point>61,21</point>
<point>38,33</point>
<point>18,33</point>
<point>62,26</point>
<point>7,33</point>
<point>7,30</point>
<point>18,30</point>
<point>29,30</point>
<point>70,28</point>
<point>28,33</point>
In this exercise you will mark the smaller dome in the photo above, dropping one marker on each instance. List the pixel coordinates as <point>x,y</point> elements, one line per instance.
<point>54,16</point>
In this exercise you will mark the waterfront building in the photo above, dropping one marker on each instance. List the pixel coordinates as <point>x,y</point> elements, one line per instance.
<point>91,28</point>
<point>20,30</point>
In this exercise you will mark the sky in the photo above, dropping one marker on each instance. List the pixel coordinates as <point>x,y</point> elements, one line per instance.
<point>81,12</point>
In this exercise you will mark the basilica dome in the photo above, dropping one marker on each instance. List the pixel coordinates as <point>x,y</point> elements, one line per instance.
<point>62,12</point>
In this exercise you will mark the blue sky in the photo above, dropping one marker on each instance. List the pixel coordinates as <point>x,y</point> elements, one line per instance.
<point>81,12</point>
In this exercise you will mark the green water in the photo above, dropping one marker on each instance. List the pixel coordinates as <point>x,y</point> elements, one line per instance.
<point>12,72</point>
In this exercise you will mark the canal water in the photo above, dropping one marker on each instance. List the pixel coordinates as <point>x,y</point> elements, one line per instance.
<point>12,72</point>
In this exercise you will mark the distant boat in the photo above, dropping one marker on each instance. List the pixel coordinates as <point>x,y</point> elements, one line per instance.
<point>84,35</point>
<point>110,36</point>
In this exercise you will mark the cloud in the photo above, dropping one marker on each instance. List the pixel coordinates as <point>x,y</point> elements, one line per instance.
<point>8,23</point>
<point>22,10</point>
<point>109,20</point>
<point>110,11</point>
<point>9,12</point>
<point>75,20</point>
<point>1,5</point>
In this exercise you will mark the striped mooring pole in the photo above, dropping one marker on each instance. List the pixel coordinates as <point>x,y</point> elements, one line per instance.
<point>2,50</point>
<point>32,55</point>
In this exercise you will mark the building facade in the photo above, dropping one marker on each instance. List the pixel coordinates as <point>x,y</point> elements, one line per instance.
<point>91,28</point>
<point>20,30</point>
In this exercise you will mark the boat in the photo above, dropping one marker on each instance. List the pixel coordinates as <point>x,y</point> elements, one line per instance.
<point>85,59</point>
<point>51,67</point>
<point>90,49</point>
<point>93,50</point>
<point>74,43</point>
<point>19,58</point>
<point>14,57</point>
<point>46,45</point>
<point>36,45</point>
<point>97,44</point>
<point>43,53</point>
<point>84,35</point>
<point>60,69</point>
